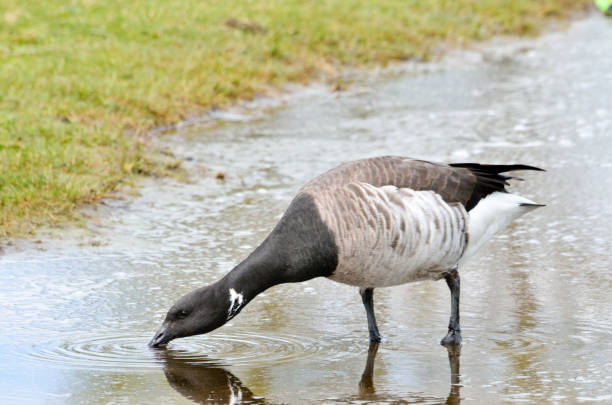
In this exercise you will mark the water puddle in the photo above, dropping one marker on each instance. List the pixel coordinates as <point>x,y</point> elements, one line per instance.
<point>77,312</point>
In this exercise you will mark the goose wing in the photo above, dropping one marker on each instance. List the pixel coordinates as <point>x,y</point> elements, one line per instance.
<point>465,183</point>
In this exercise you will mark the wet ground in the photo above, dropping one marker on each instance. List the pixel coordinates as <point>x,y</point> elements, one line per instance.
<point>76,313</point>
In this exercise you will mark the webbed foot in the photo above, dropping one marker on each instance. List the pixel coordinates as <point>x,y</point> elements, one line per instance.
<point>452,338</point>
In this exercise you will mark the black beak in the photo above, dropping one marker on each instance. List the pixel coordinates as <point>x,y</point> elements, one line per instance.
<point>161,337</point>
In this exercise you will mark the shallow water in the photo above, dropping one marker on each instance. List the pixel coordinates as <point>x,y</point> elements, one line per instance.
<point>76,313</point>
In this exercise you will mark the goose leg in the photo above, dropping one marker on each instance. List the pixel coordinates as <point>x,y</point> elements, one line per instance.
<point>453,337</point>
<point>367,295</point>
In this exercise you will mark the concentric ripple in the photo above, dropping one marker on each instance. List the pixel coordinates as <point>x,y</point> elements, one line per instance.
<point>97,352</point>
<point>132,352</point>
<point>247,348</point>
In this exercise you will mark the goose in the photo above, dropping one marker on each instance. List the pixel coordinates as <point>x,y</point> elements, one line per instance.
<point>369,223</point>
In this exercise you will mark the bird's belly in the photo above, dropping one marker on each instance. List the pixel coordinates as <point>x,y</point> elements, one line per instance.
<point>376,269</point>
<point>373,260</point>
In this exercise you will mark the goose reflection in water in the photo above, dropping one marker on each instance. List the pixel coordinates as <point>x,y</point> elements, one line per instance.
<point>211,383</point>
<point>367,391</point>
<point>207,383</point>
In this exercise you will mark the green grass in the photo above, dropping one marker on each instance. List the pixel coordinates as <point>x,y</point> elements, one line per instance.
<point>82,81</point>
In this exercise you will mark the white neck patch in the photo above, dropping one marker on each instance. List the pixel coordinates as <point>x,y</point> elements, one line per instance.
<point>236,300</point>
<point>235,398</point>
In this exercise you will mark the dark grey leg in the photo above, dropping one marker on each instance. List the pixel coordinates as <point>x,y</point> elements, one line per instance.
<point>453,337</point>
<point>366,296</point>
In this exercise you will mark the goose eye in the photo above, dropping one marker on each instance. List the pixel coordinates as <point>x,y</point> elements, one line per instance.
<point>181,314</point>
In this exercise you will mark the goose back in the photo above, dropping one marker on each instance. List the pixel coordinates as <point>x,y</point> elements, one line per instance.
<point>452,184</point>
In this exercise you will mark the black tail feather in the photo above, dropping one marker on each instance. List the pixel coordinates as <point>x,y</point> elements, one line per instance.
<point>490,178</point>
<point>495,169</point>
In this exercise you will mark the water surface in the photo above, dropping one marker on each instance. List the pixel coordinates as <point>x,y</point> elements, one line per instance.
<point>76,313</point>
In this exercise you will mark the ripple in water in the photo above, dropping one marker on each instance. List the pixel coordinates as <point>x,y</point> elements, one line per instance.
<point>132,352</point>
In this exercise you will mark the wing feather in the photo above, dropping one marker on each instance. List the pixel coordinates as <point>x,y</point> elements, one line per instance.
<point>465,183</point>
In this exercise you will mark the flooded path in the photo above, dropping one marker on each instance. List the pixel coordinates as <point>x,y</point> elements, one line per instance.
<point>76,314</point>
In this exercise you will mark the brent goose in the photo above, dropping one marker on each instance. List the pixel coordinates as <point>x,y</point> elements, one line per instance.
<point>370,223</point>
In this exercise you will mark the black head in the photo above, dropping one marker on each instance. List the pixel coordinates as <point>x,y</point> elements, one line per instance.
<point>197,312</point>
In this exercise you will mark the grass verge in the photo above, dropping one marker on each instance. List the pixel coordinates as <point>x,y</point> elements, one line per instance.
<point>81,81</point>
